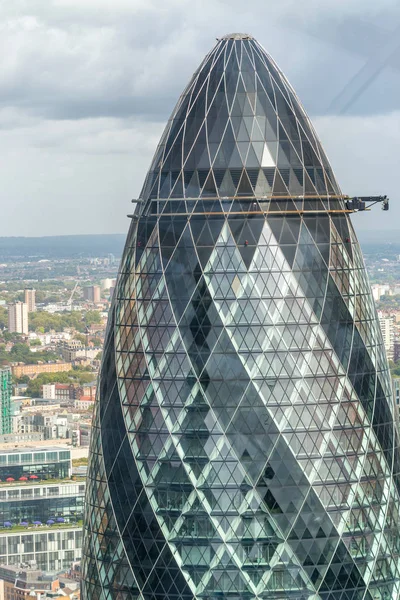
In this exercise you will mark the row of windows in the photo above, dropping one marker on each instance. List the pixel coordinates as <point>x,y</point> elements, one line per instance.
<point>39,491</point>
<point>29,457</point>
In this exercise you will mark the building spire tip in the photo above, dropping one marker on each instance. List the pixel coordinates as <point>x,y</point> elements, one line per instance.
<point>237,36</point>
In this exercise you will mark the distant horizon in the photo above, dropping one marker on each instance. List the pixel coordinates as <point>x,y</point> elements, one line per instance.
<point>362,233</point>
<point>63,235</point>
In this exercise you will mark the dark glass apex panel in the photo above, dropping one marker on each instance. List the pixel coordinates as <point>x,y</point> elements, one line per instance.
<point>244,445</point>
<point>239,130</point>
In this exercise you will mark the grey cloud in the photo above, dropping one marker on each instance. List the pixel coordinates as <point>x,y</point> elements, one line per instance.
<point>62,177</point>
<point>121,106</point>
<point>364,155</point>
<point>69,59</point>
<point>87,86</point>
<point>76,72</point>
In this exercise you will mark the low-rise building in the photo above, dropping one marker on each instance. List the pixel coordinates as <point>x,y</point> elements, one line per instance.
<point>64,392</point>
<point>50,425</point>
<point>35,464</point>
<point>81,435</point>
<point>69,349</point>
<point>84,403</point>
<point>20,389</point>
<point>41,508</point>
<point>30,501</point>
<point>25,581</point>
<point>68,393</point>
<point>16,438</point>
<point>87,390</point>
<point>53,548</point>
<point>87,355</point>
<point>49,391</point>
<point>18,370</point>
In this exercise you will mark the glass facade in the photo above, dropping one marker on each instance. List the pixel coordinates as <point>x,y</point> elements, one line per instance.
<point>243,443</point>
<point>40,519</point>
<point>51,550</point>
<point>49,463</point>
<point>19,503</point>
<point>5,400</point>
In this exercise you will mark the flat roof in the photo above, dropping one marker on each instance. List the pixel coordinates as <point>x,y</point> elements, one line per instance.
<point>34,449</point>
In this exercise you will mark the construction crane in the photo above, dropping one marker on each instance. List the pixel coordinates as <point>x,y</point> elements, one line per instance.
<point>69,303</point>
<point>351,203</point>
<point>365,202</point>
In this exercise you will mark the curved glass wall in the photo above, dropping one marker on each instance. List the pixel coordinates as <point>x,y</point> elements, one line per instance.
<point>243,443</point>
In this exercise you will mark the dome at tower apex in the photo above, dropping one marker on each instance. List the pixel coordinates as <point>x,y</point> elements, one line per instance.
<point>237,36</point>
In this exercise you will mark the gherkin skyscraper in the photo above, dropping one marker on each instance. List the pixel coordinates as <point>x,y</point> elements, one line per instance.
<point>243,443</point>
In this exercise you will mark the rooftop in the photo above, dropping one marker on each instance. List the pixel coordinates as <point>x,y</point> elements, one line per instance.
<point>23,450</point>
<point>237,36</point>
<point>79,477</point>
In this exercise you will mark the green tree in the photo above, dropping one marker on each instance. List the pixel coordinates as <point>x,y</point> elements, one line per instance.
<point>75,376</point>
<point>21,353</point>
<point>81,338</point>
<point>4,356</point>
<point>92,317</point>
<point>3,317</point>
<point>58,322</point>
<point>7,336</point>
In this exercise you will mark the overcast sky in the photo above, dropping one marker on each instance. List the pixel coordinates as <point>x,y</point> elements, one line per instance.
<point>87,85</point>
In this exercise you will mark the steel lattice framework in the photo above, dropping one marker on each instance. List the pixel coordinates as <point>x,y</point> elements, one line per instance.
<point>243,442</point>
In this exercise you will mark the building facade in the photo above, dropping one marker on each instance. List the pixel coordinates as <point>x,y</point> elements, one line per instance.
<point>17,582</point>
<point>49,391</point>
<point>92,293</point>
<point>243,442</point>
<point>70,348</point>
<point>33,502</point>
<point>41,508</point>
<point>30,299</point>
<point>18,370</point>
<point>387,323</point>
<point>396,393</point>
<point>5,400</point>
<point>18,318</point>
<point>53,549</point>
<point>379,290</point>
<point>107,284</point>
<point>35,464</point>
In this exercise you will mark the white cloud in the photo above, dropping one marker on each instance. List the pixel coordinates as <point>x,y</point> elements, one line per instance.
<point>86,136</point>
<point>87,86</point>
<point>72,177</point>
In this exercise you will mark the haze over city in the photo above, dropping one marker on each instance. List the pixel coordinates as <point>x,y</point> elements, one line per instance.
<point>87,87</point>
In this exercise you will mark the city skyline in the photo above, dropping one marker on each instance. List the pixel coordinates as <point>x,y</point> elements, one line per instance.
<point>67,141</point>
<point>244,442</point>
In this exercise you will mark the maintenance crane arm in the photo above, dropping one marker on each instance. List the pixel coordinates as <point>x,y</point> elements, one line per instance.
<point>365,202</point>
<point>69,303</point>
